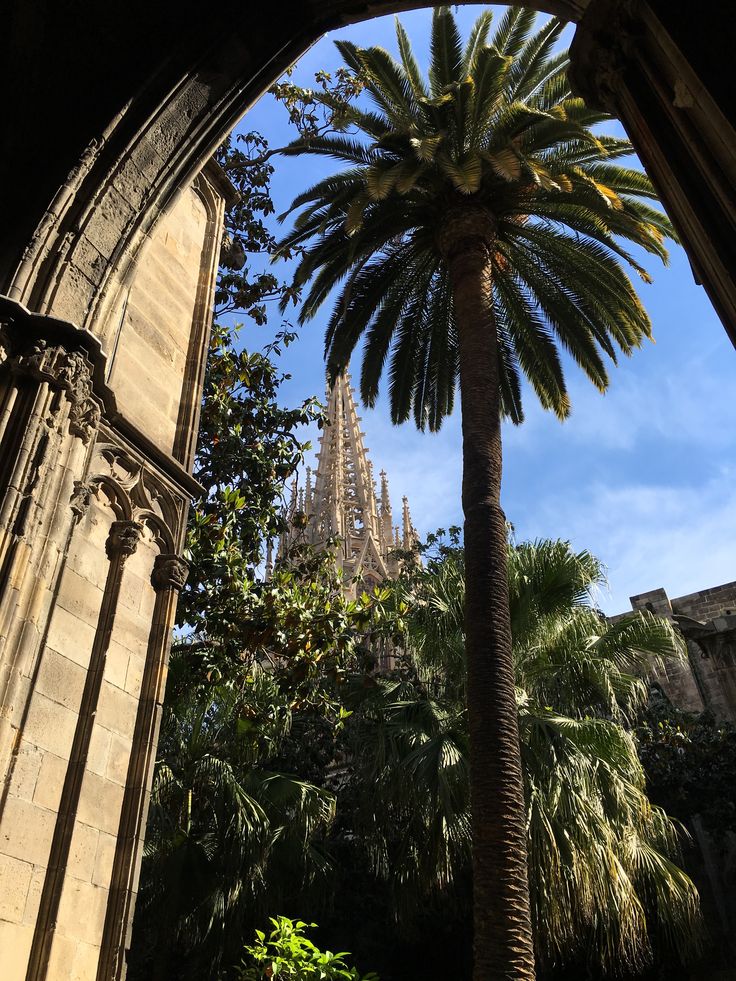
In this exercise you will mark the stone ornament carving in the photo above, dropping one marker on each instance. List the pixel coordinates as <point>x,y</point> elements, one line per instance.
<point>605,44</point>
<point>80,499</point>
<point>141,494</point>
<point>84,418</point>
<point>169,572</point>
<point>136,495</point>
<point>123,538</point>
<point>71,372</point>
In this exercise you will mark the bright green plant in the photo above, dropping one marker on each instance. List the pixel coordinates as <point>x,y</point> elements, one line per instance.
<point>288,955</point>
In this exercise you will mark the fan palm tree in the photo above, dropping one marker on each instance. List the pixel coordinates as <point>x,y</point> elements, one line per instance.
<point>226,834</point>
<point>602,860</point>
<point>477,227</point>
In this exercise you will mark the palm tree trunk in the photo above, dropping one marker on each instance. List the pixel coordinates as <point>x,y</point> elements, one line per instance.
<point>503,946</point>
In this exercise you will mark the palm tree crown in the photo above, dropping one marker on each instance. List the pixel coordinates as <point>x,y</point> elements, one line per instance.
<point>494,127</point>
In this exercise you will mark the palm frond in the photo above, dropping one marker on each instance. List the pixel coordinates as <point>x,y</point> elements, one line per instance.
<point>446,55</point>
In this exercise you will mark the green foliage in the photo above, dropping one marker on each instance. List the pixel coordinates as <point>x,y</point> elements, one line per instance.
<point>605,885</point>
<point>248,447</point>
<point>690,763</point>
<point>223,827</point>
<point>497,130</point>
<point>287,954</point>
<point>317,112</point>
<point>236,825</point>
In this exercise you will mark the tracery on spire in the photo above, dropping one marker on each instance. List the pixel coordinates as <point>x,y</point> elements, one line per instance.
<point>340,500</point>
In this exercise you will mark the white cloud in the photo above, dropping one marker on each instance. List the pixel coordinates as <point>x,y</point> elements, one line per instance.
<point>691,404</point>
<point>650,536</point>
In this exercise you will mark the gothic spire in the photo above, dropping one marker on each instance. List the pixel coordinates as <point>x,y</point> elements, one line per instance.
<point>340,498</point>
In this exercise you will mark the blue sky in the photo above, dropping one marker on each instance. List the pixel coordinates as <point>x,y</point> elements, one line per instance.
<point>644,477</point>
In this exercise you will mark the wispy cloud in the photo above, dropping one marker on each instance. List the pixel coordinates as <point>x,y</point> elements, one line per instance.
<point>649,535</point>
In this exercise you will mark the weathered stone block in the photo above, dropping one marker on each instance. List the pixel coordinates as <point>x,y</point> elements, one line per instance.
<point>89,260</point>
<point>72,635</point>
<point>111,217</point>
<point>15,944</point>
<point>130,184</point>
<point>61,961</point>
<point>99,749</point>
<point>116,665</point>
<point>26,832</point>
<point>104,860</point>
<point>50,781</point>
<point>117,710</point>
<point>82,911</point>
<point>61,679</point>
<point>83,852</point>
<point>25,773</point>
<point>134,676</point>
<point>85,962</point>
<point>81,598</point>
<point>50,725</point>
<point>15,880</point>
<point>33,900</point>
<point>73,295</point>
<point>100,803</point>
<point>133,590</point>
<point>117,764</point>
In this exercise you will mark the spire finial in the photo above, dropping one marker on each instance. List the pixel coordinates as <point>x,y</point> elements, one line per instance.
<point>406,520</point>
<point>385,499</point>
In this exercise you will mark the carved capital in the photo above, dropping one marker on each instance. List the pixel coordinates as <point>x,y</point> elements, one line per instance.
<point>70,371</point>
<point>123,538</point>
<point>84,418</point>
<point>604,45</point>
<point>169,572</point>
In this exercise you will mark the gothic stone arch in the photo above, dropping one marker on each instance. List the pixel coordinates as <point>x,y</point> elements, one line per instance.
<point>108,249</point>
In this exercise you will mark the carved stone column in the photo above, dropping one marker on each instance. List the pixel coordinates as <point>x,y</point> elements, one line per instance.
<point>168,577</point>
<point>634,59</point>
<point>122,542</point>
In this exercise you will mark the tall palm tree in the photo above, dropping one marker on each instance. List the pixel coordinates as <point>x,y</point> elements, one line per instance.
<point>477,226</point>
<point>605,884</point>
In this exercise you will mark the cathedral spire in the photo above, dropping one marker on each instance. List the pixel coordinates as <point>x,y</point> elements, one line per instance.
<point>340,499</point>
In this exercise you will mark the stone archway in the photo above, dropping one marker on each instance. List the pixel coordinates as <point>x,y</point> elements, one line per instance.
<point>108,250</point>
<point>68,254</point>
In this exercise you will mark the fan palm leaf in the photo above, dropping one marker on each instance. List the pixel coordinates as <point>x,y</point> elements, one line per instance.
<point>605,883</point>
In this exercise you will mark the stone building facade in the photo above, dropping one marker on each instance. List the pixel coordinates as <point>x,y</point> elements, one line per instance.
<point>97,433</point>
<point>707,620</point>
<point>343,502</point>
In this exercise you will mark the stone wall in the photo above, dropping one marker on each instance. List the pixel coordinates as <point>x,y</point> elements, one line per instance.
<point>97,436</point>
<point>707,620</point>
<point>707,604</point>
